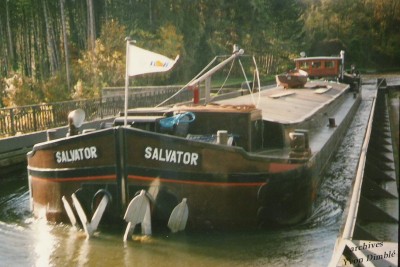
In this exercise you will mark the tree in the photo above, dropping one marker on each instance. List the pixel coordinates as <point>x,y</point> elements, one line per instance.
<point>104,65</point>
<point>39,37</point>
<point>366,28</point>
<point>65,39</point>
<point>20,91</point>
<point>52,48</point>
<point>10,48</point>
<point>91,26</point>
<point>386,18</point>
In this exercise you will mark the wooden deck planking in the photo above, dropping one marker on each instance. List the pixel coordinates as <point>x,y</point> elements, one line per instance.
<point>291,105</point>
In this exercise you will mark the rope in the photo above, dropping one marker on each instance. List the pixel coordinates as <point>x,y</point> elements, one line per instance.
<point>244,74</point>
<point>184,87</point>
<point>247,82</point>
<point>258,81</point>
<point>227,76</point>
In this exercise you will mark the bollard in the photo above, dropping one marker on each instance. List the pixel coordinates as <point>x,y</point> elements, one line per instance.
<point>51,135</point>
<point>222,137</point>
<point>332,123</point>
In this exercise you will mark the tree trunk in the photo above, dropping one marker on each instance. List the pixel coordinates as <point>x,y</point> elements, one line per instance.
<point>40,69</point>
<point>27,44</point>
<point>10,41</point>
<point>49,38</point>
<point>3,61</point>
<point>150,13</point>
<point>91,25</point>
<point>66,52</point>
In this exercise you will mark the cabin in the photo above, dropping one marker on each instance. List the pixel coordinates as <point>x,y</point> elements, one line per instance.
<point>318,67</point>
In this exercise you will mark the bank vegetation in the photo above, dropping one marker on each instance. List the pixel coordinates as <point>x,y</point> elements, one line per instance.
<point>57,50</point>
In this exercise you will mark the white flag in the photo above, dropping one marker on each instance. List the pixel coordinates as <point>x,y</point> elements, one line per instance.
<point>141,61</point>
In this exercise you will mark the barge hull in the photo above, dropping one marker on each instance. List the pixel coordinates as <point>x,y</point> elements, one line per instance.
<point>225,186</point>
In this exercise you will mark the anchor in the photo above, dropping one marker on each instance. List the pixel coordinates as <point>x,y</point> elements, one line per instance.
<point>178,218</point>
<point>69,211</point>
<point>89,227</point>
<point>138,211</point>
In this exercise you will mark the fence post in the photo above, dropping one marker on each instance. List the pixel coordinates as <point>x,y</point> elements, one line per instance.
<point>101,107</point>
<point>12,121</point>
<point>34,118</point>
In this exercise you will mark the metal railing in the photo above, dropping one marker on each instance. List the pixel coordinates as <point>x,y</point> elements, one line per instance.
<point>32,118</point>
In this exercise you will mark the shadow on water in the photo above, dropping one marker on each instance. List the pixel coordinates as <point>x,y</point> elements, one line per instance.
<point>13,199</point>
<point>33,242</point>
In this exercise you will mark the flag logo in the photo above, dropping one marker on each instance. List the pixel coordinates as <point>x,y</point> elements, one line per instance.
<point>159,63</point>
<point>141,61</point>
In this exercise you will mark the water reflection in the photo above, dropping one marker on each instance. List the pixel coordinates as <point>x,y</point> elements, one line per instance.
<point>61,245</point>
<point>43,242</point>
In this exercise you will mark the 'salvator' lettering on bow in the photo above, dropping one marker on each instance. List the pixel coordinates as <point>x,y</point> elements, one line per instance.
<point>78,154</point>
<point>171,156</point>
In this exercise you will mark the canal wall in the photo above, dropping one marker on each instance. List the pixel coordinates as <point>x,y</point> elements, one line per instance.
<point>369,234</point>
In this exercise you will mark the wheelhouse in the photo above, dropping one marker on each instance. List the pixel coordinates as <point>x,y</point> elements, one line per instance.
<point>317,67</point>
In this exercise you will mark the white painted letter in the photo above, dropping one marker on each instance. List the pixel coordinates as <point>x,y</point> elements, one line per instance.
<point>186,158</point>
<point>58,156</point>
<point>179,155</point>
<point>147,152</point>
<point>93,152</point>
<point>155,154</point>
<point>195,156</point>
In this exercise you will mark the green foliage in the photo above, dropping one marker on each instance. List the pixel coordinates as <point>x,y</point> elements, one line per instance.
<point>273,30</point>
<point>103,66</point>
<point>364,28</point>
<point>55,89</point>
<point>166,41</point>
<point>3,94</point>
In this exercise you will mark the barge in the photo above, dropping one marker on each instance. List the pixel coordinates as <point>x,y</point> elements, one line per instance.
<point>244,162</point>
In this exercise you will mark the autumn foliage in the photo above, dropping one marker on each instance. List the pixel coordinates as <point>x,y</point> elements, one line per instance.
<point>63,49</point>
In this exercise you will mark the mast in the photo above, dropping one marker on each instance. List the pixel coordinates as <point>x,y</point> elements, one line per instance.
<point>236,53</point>
<point>207,76</point>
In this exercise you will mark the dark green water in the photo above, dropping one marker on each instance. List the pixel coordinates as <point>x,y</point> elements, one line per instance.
<point>26,241</point>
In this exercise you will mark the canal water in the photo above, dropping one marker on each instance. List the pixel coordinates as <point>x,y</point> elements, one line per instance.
<point>26,241</point>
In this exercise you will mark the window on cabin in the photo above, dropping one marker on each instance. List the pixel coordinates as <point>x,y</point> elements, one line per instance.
<point>316,65</point>
<point>304,65</point>
<point>329,64</point>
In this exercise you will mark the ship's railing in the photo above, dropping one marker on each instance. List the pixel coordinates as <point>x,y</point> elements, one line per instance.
<point>32,118</point>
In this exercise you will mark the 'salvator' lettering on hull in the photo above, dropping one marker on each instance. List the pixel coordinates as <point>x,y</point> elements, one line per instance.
<point>78,154</point>
<point>171,156</point>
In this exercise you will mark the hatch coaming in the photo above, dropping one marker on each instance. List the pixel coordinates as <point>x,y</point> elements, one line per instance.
<point>243,123</point>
